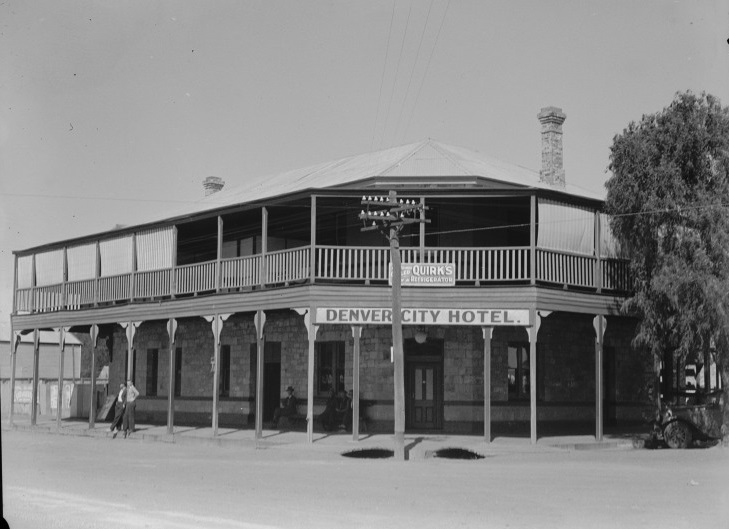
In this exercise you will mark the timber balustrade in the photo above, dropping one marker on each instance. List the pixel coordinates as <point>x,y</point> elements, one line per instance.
<point>333,264</point>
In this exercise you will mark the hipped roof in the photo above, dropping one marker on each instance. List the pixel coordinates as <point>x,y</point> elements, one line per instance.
<point>425,159</point>
<point>413,162</point>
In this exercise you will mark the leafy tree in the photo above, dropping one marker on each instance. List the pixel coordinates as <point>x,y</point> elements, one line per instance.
<point>669,200</point>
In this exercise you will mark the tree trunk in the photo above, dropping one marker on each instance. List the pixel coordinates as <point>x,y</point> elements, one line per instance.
<point>724,367</point>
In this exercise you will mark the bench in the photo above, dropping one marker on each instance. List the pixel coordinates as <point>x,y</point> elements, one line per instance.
<point>298,421</point>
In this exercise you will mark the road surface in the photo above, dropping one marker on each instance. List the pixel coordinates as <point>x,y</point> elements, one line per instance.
<point>61,481</point>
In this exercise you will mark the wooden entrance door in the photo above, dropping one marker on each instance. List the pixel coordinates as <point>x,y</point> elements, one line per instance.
<point>424,386</point>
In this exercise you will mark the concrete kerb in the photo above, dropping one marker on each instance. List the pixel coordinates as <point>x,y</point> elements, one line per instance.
<point>418,446</point>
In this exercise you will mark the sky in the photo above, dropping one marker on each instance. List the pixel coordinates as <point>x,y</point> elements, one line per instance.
<point>114,112</point>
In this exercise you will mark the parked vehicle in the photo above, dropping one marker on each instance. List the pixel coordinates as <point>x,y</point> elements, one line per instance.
<point>690,417</point>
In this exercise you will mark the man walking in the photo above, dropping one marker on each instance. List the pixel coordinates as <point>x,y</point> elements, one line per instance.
<point>132,395</point>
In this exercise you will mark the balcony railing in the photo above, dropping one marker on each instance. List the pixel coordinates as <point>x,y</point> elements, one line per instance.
<point>332,264</point>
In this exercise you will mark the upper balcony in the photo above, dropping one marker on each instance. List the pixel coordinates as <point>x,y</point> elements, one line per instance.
<point>491,241</point>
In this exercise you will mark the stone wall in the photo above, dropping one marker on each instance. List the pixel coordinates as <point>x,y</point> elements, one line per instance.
<point>566,365</point>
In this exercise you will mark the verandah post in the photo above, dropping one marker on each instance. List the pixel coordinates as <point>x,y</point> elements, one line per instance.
<point>536,319</point>
<point>61,346</point>
<point>219,256</point>
<point>171,331</point>
<point>13,362</point>
<point>260,321</point>
<point>533,241</point>
<point>15,284</point>
<point>598,258</point>
<point>599,323</point>
<point>311,330</point>
<point>488,333</point>
<point>34,396</point>
<point>264,247</point>
<point>217,326</point>
<point>64,285</point>
<point>357,335</point>
<point>94,333</point>
<point>134,267</point>
<point>312,256</point>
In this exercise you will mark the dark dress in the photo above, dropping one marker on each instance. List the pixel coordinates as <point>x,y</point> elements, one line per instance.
<point>287,409</point>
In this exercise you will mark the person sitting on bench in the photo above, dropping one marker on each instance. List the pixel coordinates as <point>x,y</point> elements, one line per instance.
<point>288,407</point>
<point>328,417</point>
<point>342,409</point>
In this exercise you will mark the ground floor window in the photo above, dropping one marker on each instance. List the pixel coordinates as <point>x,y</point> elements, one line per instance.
<point>329,358</point>
<point>152,368</point>
<point>178,371</point>
<point>224,386</point>
<point>518,372</point>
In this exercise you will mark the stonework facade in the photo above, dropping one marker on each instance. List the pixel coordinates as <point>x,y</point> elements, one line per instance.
<point>565,369</point>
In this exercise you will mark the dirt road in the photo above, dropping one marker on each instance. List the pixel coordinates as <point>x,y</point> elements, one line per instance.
<point>67,481</point>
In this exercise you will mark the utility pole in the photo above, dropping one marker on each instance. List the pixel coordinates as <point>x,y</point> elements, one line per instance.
<point>388,216</point>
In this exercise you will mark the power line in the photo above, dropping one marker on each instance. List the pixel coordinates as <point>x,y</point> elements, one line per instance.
<point>397,69</point>
<point>382,79</point>
<point>427,67</point>
<point>412,70</point>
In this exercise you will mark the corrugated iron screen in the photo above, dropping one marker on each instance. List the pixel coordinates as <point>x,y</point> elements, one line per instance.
<point>49,268</point>
<point>81,262</point>
<point>116,256</point>
<point>566,228</point>
<point>609,245</point>
<point>25,271</point>
<point>155,249</point>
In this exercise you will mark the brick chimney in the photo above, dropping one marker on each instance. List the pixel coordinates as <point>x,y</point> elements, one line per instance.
<point>213,184</point>
<point>552,172</point>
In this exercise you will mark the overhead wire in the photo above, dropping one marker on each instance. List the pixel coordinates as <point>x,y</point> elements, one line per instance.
<point>397,69</point>
<point>427,67</point>
<point>382,79</point>
<point>412,70</point>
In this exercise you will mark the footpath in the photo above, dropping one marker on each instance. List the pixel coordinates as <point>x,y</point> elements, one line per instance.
<point>417,445</point>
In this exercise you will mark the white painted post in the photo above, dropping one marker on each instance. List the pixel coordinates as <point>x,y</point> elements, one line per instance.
<point>34,397</point>
<point>488,333</point>
<point>171,331</point>
<point>599,323</point>
<point>61,345</point>
<point>357,335</point>
<point>259,321</point>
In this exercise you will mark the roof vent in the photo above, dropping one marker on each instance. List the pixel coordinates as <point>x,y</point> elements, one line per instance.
<point>213,184</point>
<point>552,172</point>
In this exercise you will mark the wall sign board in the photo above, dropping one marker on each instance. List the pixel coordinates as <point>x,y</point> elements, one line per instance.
<point>416,316</point>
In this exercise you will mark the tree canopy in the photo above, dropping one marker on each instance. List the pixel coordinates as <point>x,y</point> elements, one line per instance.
<point>668,198</point>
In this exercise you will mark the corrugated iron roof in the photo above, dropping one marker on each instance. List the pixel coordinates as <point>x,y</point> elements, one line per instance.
<point>427,158</point>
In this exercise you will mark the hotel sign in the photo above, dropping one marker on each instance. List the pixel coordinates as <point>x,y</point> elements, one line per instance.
<point>378,316</point>
<point>426,275</point>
